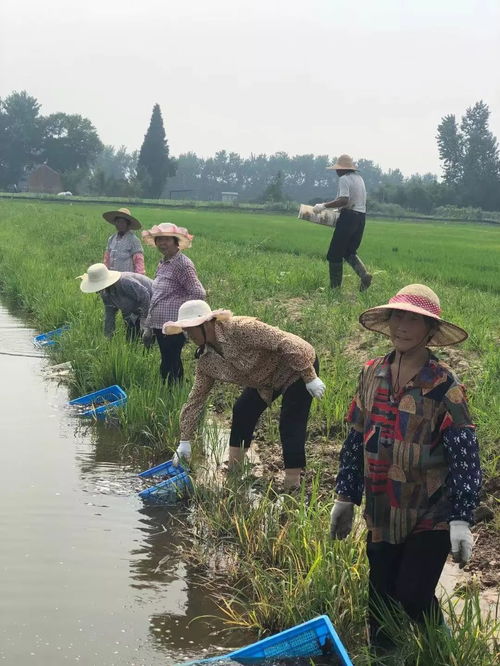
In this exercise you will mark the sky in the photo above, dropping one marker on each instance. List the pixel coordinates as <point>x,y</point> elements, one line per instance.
<point>371,78</point>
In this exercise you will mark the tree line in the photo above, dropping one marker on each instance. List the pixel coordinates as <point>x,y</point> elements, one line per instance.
<point>70,144</point>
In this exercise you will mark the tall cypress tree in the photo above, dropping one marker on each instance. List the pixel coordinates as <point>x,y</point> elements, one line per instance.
<point>154,164</point>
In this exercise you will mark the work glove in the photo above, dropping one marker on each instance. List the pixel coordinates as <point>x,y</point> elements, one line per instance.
<point>318,208</point>
<point>316,388</point>
<point>147,337</point>
<point>341,517</point>
<point>182,453</point>
<point>461,542</point>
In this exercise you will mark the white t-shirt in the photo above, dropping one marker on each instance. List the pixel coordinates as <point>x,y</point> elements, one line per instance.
<point>351,185</point>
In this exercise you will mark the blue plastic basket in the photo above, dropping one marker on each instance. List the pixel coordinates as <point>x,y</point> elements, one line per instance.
<point>97,404</point>
<point>315,638</point>
<point>168,491</point>
<point>50,338</point>
<point>165,469</point>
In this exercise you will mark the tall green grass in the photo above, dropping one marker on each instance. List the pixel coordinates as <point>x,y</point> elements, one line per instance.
<point>272,267</point>
<point>280,567</point>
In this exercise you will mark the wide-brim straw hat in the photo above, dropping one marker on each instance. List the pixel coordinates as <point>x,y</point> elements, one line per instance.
<point>98,277</point>
<point>194,313</point>
<point>419,299</point>
<point>168,229</point>
<point>343,162</point>
<point>111,215</point>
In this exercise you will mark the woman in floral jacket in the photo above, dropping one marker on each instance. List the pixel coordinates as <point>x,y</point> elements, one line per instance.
<point>412,449</point>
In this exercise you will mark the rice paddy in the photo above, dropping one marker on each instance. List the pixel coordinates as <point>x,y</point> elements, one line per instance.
<point>282,567</point>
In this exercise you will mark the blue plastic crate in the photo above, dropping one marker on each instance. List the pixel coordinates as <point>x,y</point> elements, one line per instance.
<point>164,469</point>
<point>49,338</point>
<point>315,638</point>
<point>97,404</point>
<point>169,490</point>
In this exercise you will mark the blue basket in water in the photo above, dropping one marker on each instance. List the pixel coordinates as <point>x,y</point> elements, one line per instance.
<point>97,404</point>
<point>50,338</point>
<point>175,485</point>
<point>315,638</point>
<point>164,469</point>
<point>168,491</point>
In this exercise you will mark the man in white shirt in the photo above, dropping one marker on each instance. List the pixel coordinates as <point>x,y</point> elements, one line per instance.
<point>351,200</point>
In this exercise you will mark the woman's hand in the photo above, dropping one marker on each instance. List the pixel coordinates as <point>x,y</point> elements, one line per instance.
<point>461,542</point>
<point>341,518</point>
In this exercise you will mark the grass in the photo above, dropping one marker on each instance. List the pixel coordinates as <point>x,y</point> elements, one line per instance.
<point>272,267</point>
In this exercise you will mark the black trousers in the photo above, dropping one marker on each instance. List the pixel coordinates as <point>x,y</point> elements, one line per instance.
<point>407,573</point>
<point>171,369</point>
<point>295,407</point>
<point>132,330</point>
<point>347,235</point>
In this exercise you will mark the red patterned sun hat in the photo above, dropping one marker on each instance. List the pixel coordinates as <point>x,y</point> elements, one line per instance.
<point>419,299</point>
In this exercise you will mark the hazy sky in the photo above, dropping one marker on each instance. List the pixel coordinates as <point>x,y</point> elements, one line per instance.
<point>367,77</point>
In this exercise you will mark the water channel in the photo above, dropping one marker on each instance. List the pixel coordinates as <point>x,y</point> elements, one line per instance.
<point>80,580</point>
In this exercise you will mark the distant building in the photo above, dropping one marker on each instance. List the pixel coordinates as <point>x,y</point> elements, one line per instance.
<point>44,179</point>
<point>229,197</point>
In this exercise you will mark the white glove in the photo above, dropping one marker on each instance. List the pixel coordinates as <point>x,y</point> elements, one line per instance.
<point>461,541</point>
<point>316,388</point>
<point>318,208</point>
<point>341,517</point>
<point>182,454</point>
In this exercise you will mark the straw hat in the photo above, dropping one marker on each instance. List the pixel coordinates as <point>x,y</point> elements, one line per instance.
<point>111,215</point>
<point>419,299</point>
<point>168,229</point>
<point>343,162</point>
<point>194,313</point>
<point>98,277</point>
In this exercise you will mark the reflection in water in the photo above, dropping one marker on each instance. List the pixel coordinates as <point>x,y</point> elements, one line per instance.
<point>80,579</point>
<point>158,574</point>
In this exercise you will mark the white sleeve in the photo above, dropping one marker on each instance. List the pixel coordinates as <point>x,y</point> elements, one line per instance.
<point>343,187</point>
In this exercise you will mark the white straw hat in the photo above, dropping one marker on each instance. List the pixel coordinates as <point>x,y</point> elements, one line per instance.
<point>419,299</point>
<point>344,162</point>
<point>98,277</point>
<point>194,313</point>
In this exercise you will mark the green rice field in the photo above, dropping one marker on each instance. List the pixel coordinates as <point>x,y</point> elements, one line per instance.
<point>273,267</point>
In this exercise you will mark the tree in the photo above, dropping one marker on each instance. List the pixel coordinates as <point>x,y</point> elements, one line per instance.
<point>451,150</point>
<point>70,142</point>
<point>20,136</point>
<point>154,165</point>
<point>114,173</point>
<point>274,191</point>
<point>481,166</point>
<point>470,158</point>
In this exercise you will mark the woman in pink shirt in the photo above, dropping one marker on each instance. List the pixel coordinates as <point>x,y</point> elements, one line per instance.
<point>176,282</point>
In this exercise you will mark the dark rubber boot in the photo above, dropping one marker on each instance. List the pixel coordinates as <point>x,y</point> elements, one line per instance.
<point>335,274</point>
<point>360,269</point>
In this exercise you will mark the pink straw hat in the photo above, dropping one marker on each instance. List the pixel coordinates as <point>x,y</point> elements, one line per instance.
<point>194,313</point>
<point>168,229</point>
<point>419,299</point>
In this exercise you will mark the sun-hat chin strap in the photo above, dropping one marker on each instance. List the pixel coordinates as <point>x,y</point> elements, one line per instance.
<point>201,349</point>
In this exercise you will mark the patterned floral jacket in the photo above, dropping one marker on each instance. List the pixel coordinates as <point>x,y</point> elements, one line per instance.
<point>415,454</point>
<point>254,355</point>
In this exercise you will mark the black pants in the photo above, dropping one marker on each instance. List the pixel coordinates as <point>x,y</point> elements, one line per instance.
<point>347,235</point>
<point>132,330</point>
<point>408,574</point>
<point>295,408</point>
<point>171,369</point>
